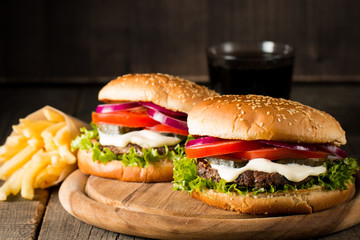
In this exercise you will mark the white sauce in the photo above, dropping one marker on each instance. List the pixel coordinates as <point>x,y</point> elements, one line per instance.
<point>143,138</point>
<point>293,172</point>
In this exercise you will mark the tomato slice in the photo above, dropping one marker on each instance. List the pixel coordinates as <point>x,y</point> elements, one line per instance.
<point>125,118</point>
<point>275,154</point>
<point>220,148</point>
<point>165,128</point>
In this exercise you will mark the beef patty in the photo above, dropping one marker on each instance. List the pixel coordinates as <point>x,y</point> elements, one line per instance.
<point>248,178</point>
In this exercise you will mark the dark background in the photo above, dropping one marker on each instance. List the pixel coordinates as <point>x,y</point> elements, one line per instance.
<point>89,41</point>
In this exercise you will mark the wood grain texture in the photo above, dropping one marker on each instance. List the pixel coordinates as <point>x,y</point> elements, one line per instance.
<point>57,225</point>
<point>20,218</point>
<point>89,41</point>
<point>154,210</point>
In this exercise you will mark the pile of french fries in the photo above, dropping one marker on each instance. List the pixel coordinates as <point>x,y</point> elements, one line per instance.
<point>36,155</point>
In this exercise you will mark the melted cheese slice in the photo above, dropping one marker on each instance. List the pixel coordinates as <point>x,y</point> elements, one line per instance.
<point>293,172</point>
<point>143,138</point>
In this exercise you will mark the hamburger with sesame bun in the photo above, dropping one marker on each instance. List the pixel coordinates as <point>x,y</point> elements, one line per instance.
<point>263,155</point>
<point>141,128</point>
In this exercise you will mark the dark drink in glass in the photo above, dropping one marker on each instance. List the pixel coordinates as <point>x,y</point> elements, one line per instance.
<point>263,68</point>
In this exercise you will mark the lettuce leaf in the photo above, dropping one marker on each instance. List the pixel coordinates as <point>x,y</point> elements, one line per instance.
<point>83,142</point>
<point>88,140</point>
<point>338,175</point>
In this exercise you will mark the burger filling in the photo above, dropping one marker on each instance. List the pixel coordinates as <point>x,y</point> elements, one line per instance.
<point>238,173</point>
<point>135,133</point>
<point>261,166</point>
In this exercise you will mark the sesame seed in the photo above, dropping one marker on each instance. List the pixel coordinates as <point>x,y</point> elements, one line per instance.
<point>290,124</point>
<point>267,113</point>
<point>279,120</point>
<point>261,124</point>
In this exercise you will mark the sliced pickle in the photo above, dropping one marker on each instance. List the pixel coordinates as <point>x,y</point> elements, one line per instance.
<point>115,129</point>
<point>228,163</point>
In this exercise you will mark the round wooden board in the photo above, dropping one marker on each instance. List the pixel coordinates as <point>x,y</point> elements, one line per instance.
<point>154,210</point>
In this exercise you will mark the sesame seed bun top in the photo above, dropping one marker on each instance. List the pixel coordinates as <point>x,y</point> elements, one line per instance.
<point>168,91</point>
<point>254,117</point>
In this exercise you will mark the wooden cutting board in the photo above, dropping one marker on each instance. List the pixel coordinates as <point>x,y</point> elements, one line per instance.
<point>154,210</point>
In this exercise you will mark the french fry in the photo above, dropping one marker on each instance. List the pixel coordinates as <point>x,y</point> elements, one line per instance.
<point>66,155</point>
<point>17,161</point>
<point>62,137</point>
<point>36,126</point>
<point>53,116</point>
<point>15,140</point>
<point>38,161</point>
<point>48,135</point>
<point>32,129</point>
<point>37,153</point>
<point>12,185</point>
<point>15,181</point>
<point>55,170</point>
<point>5,191</point>
<point>62,142</point>
<point>18,130</point>
<point>13,145</point>
<point>44,179</point>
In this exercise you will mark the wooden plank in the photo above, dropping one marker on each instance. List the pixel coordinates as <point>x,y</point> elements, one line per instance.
<point>58,224</point>
<point>88,41</point>
<point>86,102</point>
<point>25,45</point>
<point>168,37</point>
<point>20,218</point>
<point>110,37</point>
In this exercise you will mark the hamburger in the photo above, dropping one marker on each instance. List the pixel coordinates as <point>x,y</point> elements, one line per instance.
<point>140,129</point>
<point>262,155</point>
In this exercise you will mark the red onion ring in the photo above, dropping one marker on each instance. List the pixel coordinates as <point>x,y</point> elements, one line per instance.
<point>203,140</point>
<point>293,146</point>
<point>105,108</point>
<point>334,150</point>
<point>162,109</point>
<point>338,152</point>
<point>167,120</point>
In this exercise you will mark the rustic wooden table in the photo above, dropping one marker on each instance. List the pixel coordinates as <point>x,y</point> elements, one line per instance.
<point>44,217</point>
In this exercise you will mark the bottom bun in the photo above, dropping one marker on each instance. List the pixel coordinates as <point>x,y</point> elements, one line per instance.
<point>294,202</point>
<point>159,172</point>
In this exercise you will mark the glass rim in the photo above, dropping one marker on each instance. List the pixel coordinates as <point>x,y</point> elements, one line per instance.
<point>224,50</point>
